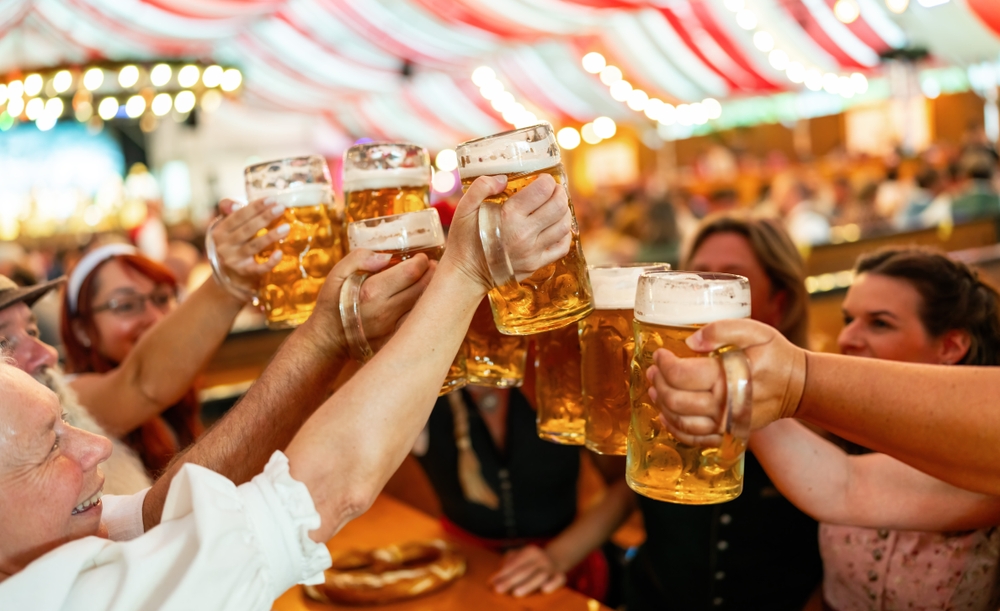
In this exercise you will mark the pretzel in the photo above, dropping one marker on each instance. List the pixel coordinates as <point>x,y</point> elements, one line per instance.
<point>389,574</point>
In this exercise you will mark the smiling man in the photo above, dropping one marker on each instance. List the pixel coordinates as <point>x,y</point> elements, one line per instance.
<point>20,339</point>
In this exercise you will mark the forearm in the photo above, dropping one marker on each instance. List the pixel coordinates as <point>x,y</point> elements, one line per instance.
<point>294,384</point>
<point>365,430</point>
<point>161,368</point>
<point>592,527</point>
<point>809,471</point>
<point>941,420</point>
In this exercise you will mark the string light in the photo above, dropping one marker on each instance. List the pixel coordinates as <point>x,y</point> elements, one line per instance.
<point>184,102</point>
<point>846,11</point>
<point>589,135</point>
<point>604,127</point>
<point>54,107</point>
<point>162,104</point>
<point>128,76</point>
<point>62,81</point>
<point>33,85</point>
<point>34,108</point>
<point>611,75</point>
<point>501,100</point>
<point>568,138</point>
<point>594,62</point>
<point>107,109</point>
<point>160,75</point>
<point>93,79</point>
<point>212,77</point>
<point>231,79</point>
<point>446,160</point>
<point>897,6</point>
<point>135,106</point>
<point>188,76</point>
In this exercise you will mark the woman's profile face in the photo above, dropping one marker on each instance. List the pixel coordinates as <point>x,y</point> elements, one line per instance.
<point>126,304</point>
<point>882,321</point>
<point>731,253</point>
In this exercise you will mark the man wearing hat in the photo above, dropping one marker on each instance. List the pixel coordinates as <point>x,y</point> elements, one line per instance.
<point>298,379</point>
<point>19,337</point>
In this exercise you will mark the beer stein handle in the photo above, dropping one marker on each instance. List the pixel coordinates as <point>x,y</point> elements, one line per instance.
<point>220,275</point>
<point>497,259</point>
<point>739,392</point>
<point>350,317</point>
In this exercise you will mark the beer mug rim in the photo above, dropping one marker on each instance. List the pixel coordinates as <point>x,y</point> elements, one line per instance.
<point>543,124</point>
<point>706,276</point>
<point>433,223</point>
<point>375,145</point>
<point>661,267</point>
<point>255,167</point>
<point>659,301</point>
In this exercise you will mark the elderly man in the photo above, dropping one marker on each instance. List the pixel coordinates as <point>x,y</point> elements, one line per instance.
<point>20,337</point>
<point>295,383</point>
<point>227,547</point>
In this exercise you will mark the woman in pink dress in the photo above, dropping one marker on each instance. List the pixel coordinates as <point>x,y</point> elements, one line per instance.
<point>892,537</point>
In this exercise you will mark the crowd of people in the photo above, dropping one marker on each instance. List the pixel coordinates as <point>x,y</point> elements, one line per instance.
<point>859,483</point>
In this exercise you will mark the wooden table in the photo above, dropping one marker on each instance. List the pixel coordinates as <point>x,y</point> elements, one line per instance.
<point>390,521</point>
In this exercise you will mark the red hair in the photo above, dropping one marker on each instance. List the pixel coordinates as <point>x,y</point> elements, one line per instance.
<point>158,439</point>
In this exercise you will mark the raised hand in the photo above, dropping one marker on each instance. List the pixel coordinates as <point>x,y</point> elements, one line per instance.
<point>690,392</point>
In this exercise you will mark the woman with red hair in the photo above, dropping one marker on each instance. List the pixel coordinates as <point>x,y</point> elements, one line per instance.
<point>134,352</point>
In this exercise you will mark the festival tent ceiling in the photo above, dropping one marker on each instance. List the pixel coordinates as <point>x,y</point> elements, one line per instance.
<point>402,69</point>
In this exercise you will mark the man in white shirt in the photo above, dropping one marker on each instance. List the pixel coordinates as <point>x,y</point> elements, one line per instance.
<point>227,547</point>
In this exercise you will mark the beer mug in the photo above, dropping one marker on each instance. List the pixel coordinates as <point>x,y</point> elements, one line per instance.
<point>403,236</point>
<point>606,346</point>
<point>558,395</point>
<point>384,179</point>
<point>287,294</point>
<point>492,358</point>
<point>669,308</point>
<point>558,294</point>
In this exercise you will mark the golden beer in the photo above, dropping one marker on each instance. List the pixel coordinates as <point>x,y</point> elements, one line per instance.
<point>558,395</point>
<point>404,236</point>
<point>606,347</point>
<point>287,294</point>
<point>559,294</point>
<point>384,179</point>
<point>657,464</point>
<point>492,358</point>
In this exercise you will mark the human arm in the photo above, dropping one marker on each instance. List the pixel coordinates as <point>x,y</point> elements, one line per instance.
<point>532,568</point>
<point>351,446</point>
<point>871,491</point>
<point>162,366</point>
<point>941,420</point>
<point>300,375</point>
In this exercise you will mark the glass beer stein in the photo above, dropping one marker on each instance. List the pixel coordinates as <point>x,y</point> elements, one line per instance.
<point>606,346</point>
<point>402,236</point>
<point>492,358</point>
<point>384,179</point>
<point>558,294</point>
<point>558,395</point>
<point>287,294</point>
<point>669,308</point>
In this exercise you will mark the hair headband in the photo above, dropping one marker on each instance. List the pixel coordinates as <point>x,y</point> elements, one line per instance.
<point>88,264</point>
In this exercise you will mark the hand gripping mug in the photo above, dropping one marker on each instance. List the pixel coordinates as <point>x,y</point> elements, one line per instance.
<point>669,308</point>
<point>555,296</point>
<point>403,236</point>
<point>287,294</point>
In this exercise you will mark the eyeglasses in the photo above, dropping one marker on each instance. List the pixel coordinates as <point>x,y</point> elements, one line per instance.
<point>134,305</point>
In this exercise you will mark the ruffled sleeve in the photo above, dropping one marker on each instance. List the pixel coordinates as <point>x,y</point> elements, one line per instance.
<point>218,547</point>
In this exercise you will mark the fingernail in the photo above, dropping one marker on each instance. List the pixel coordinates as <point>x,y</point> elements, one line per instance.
<point>380,257</point>
<point>278,210</point>
<point>694,340</point>
<point>662,420</point>
<point>270,200</point>
<point>283,230</point>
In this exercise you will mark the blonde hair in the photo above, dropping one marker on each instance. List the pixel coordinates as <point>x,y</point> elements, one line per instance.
<point>776,254</point>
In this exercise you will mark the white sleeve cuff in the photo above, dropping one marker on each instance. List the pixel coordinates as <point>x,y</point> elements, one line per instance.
<point>122,515</point>
<point>282,513</point>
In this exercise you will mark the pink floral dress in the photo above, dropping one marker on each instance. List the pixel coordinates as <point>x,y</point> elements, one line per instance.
<point>890,570</point>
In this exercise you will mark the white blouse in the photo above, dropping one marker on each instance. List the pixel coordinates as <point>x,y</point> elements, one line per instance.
<point>217,547</point>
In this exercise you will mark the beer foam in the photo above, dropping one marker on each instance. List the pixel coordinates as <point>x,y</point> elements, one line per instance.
<point>356,179</point>
<point>614,287</point>
<point>495,167</point>
<point>408,231</point>
<point>306,195</point>
<point>688,299</point>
